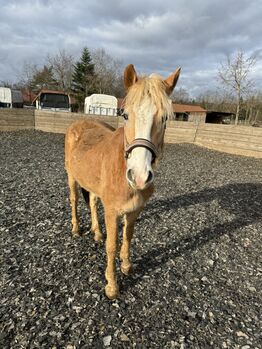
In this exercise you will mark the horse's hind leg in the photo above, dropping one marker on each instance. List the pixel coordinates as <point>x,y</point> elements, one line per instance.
<point>93,201</point>
<point>128,231</point>
<point>73,201</point>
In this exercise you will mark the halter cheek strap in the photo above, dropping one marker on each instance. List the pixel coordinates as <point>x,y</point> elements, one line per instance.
<point>144,143</point>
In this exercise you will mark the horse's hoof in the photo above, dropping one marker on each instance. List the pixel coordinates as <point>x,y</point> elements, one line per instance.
<point>76,233</point>
<point>98,238</point>
<point>127,270</point>
<point>111,292</point>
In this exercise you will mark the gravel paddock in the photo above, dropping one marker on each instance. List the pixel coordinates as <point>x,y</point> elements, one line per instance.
<point>196,252</point>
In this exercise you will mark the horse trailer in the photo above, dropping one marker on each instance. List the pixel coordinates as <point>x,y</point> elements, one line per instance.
<point>100,104</point>
<point>10,98</point>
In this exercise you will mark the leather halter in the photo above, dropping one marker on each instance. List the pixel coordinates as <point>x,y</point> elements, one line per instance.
<point>144,143</point>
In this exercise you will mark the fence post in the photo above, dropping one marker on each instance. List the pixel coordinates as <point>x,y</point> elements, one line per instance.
<point>197,125</point>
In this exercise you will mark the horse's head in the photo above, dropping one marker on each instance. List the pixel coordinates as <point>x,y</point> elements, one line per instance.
<point>147,106</point>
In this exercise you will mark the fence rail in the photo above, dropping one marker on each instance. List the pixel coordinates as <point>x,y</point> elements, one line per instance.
<point>242,140</point>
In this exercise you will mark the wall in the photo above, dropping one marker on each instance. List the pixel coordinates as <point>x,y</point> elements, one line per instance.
<point>16,119</point>
<point>242,140</point>
<point>58,122</point>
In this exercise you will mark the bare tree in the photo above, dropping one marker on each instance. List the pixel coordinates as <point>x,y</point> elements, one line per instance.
<point>107,73</point>
<point>181,96</point>
<point>62,65</point>
<point>234,74</point>
<point>217,100</point>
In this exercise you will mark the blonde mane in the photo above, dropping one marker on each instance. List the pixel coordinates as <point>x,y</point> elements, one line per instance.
<point>153,88</point>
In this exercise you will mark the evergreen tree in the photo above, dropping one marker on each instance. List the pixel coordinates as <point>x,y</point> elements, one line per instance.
<point>43,79</point>
<point>83,78</point>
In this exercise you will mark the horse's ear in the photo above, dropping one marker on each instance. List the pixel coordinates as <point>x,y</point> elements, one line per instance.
<point>130,76</point>
<point>171,81</point>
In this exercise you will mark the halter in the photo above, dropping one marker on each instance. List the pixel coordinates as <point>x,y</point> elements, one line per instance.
<point>139,142</point>
<point>143,143</point>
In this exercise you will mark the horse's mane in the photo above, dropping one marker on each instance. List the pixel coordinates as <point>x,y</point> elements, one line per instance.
<point>151,88</point>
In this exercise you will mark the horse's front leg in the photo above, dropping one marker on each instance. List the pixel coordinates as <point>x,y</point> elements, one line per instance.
<point>128,231</point>
<point>111,220</point>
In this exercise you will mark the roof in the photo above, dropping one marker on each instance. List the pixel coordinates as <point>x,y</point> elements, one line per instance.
<point>187,108</point>
<point>177,108</point>
<point>49,91</point>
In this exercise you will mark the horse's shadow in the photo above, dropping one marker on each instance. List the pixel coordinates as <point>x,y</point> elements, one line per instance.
<point>243,200</point>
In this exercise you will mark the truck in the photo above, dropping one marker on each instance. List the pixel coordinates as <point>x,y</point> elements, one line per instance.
<point>101,104</point>
<point>52,100</point>
<point>10,98</point>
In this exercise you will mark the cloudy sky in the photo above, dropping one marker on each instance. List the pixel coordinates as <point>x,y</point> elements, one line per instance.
<point>154,35</point>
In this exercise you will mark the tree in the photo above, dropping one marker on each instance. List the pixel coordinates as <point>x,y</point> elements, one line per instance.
<point>108,73</point>
<point>181,96</point>
<point>43,79</point>
<point>83,78</point>
<point>234,74</point>
<point>62,65</point>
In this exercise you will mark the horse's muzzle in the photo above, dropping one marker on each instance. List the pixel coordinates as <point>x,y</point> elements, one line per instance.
<point>137,182</point>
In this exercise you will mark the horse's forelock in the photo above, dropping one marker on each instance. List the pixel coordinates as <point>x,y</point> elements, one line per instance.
<point>151,87</point>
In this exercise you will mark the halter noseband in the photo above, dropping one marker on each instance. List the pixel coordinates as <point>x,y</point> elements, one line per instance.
<point>144,143</point>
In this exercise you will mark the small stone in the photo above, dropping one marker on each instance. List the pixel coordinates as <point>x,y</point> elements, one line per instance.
<point>211,315</point>
<point>173,344</point>
<point>107,341</point>
<point>191,314</point>
<point>252,288</point>
<point>210,262</point>
<point>246,242</point>
<point>245,347</point>
<point>241,334</point>
<point>124,338</point>
<point>204,279</point>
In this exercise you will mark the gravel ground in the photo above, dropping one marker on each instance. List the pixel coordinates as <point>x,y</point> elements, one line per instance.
<point>196,252</point>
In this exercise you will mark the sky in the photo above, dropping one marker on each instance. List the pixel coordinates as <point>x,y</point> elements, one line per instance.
<point>155,35</point>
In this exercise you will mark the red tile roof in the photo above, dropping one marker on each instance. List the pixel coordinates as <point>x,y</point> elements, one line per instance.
<point>187,108</point>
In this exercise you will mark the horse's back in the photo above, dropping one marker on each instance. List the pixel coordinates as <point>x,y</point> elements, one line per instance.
<point>83,135</point>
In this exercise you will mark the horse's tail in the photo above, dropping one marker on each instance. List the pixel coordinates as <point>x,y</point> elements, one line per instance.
<point>86,196</point>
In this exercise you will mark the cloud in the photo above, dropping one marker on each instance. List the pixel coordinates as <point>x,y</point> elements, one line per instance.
<point>157,36</point>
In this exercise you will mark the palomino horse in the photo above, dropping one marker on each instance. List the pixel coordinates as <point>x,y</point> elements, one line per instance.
<point>116,166</point>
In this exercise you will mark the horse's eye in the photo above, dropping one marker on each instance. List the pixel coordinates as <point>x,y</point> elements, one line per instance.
<point>125,116</point>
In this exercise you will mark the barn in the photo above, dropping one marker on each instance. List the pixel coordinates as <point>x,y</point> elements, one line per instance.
<point>188,112</point>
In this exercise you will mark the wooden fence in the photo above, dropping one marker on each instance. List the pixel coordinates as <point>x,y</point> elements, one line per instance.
<point>242,140</point>
<point>16,119</point>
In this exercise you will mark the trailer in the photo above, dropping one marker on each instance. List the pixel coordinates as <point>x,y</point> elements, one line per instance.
<point>101,104</point>
<point>10,98</point>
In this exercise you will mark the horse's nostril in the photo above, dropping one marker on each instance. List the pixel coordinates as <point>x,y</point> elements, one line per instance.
<point>130,175</point>
<point>150,177</point>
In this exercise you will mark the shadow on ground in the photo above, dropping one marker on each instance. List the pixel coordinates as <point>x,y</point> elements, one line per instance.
<point>242,200</point>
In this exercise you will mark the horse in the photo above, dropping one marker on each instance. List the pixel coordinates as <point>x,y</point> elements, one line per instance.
<point>116,166</point>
